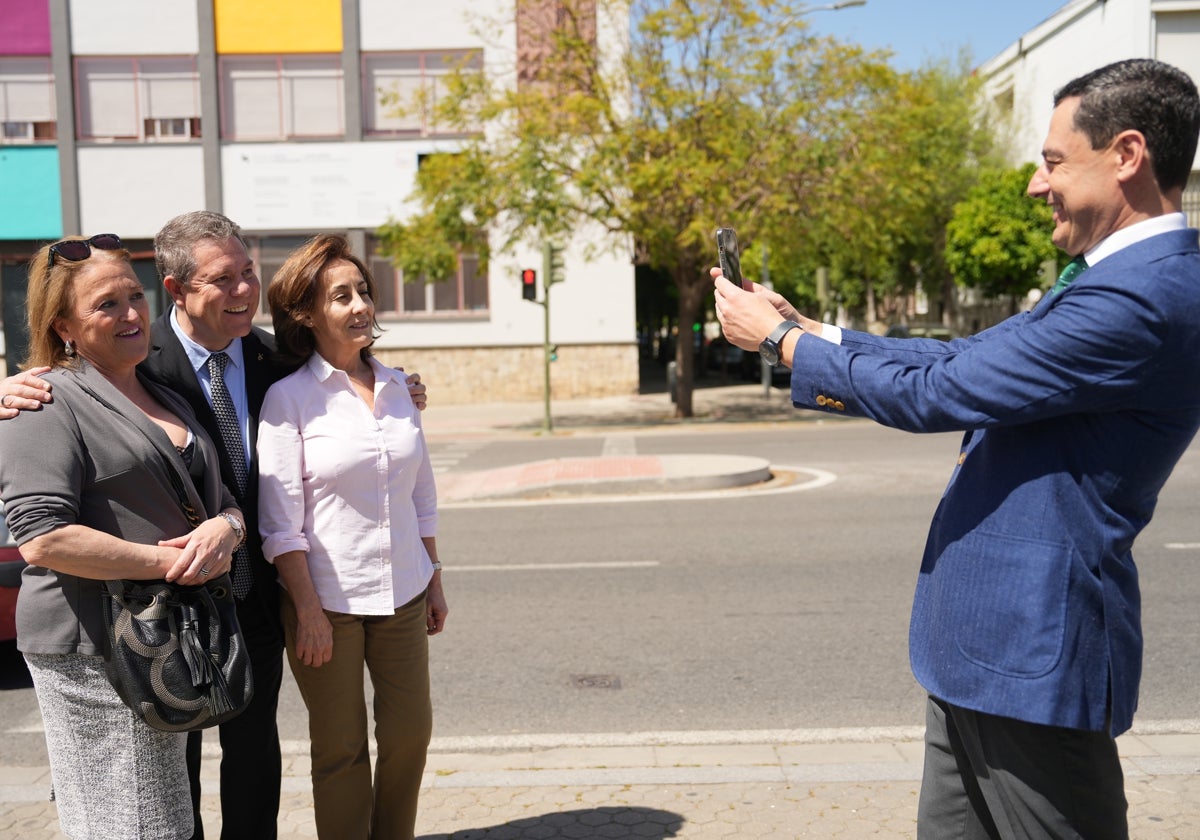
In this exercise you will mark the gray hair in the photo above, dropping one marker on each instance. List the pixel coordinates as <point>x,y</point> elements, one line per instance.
<point>174,243</point>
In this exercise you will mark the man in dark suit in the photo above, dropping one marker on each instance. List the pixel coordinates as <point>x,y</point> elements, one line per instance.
<point>1026,623</point>
<point>207,271</point>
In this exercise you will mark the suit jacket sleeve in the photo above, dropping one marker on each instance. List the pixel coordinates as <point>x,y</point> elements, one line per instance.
<point>1089,350</point>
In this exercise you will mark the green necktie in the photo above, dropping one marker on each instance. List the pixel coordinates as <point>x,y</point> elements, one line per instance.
<point>1074,268</point>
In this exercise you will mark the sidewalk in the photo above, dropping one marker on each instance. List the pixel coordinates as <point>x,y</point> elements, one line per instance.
<point>711,405</point>
<point>790,784</point>
<point>825,784</point>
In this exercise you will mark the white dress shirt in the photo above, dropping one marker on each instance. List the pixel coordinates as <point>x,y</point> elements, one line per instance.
<point>351,487</point>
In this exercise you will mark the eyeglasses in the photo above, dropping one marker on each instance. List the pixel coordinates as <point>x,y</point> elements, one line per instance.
<point>78,250</point>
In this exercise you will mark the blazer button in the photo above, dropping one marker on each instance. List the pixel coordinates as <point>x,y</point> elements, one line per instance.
<point>821,400</point>
<point>962,456</point>
<point>839,405</point>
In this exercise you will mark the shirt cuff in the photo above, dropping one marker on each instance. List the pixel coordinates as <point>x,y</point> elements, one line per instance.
<point>831,333</point>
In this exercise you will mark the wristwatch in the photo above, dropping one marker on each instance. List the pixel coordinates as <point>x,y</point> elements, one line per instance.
<point>769,349</point>
<point>239,530</point>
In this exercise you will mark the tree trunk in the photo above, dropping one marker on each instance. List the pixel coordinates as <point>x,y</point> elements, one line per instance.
<point>693,286</point>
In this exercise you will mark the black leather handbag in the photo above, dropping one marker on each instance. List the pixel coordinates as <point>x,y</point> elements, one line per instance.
<point>175,654</point>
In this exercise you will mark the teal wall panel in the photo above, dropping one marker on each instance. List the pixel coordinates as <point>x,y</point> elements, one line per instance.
<point>30,199</point>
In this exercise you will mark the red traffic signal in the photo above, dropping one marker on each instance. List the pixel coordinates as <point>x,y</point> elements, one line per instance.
<point>529,284</point>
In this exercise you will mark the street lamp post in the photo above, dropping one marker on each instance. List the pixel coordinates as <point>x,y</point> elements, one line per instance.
<point>831,7</point>
<point>826,7</point>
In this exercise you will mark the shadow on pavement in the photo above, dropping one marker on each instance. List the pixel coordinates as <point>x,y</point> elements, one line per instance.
<point>583,824</point>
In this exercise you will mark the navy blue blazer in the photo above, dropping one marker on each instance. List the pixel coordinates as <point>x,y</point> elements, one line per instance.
<point>1075,413</point>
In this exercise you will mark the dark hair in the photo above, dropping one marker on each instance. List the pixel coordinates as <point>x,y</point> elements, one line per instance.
<point>49,295</point>
<point>1148,96</point>
<point>292,294</point>
<point>173,244</point>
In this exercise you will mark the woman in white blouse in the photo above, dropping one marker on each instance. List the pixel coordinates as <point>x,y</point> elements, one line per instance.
<point>348,514</point>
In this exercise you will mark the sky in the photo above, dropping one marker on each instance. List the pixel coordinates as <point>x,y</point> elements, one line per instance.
<point>917,31</point>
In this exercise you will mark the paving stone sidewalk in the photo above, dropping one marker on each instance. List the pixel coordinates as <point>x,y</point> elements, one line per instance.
<point>819,789</point>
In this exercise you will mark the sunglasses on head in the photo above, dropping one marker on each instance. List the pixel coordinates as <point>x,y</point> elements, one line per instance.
<point>77,250</point>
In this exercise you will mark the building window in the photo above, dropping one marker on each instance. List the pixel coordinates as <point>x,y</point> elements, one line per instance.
<point>27,110</point>
<point>1175,37</point>
<point>150,100</point>
<point>269,253</point>
<point>282,97</point>
<point>465,293</point>
<point>402,89</point>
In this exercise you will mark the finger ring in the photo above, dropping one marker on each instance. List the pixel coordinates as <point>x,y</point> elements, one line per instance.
<point>203,572</point>
<point>4,401</point>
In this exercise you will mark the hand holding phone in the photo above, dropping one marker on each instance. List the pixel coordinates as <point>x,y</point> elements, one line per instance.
<point>728,254</point>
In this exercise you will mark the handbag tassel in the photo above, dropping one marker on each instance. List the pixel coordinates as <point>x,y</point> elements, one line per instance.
<point>193,651</point>
<point>205,673</point>
<point>219,701</point>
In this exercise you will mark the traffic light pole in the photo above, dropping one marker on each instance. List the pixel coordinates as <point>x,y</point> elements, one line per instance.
<point>547,423</point>
<point>553,271</point>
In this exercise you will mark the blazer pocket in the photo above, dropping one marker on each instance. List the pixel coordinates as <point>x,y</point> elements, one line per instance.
<point>1008,599</point>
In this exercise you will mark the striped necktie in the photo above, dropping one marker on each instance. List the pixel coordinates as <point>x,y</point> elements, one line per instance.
<point>1074,268</point>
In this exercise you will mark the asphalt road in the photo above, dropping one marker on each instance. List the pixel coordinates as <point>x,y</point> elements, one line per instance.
<point>749,610</point>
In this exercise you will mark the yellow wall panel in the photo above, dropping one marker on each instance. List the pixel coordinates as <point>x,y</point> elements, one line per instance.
<point>278,26</point>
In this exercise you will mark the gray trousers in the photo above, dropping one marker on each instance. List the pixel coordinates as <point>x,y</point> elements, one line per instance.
<point>995,778</point>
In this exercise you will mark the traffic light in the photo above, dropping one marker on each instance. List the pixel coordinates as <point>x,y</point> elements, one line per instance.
<point>553,264</point>
<point>529,284</point>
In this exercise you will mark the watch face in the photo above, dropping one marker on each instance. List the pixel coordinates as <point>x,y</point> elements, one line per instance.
<point>769,350</point>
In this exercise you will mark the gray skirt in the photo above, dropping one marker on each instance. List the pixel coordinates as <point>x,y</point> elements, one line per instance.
<point>115,778</point>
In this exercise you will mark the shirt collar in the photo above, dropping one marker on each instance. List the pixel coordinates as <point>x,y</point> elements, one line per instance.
<point>1135,233</point>
<point>322,370</point>
<point>198,355</point>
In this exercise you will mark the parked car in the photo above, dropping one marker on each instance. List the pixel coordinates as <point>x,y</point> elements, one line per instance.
<point>938,331</point>
<point>735,361</point>
<point>11,565</point>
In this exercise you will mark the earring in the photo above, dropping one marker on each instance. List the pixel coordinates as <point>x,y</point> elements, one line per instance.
<point>69,349</point>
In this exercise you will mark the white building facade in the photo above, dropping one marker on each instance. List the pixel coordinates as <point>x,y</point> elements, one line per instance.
<point>1083,35</point>
<point>119,115</point>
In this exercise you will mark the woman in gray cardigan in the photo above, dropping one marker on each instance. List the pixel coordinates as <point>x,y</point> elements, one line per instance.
<point>88,498</point>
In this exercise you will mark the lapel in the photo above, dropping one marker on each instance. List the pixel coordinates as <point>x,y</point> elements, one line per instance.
<point>167,365</point>
<point>104,392</point>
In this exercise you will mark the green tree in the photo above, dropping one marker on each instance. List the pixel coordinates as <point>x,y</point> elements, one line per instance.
<point>718,112</point>
<point>999,237</point>
<point>905,158</point>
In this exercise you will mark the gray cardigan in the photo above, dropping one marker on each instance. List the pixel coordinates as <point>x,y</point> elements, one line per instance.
<point>76,461</point>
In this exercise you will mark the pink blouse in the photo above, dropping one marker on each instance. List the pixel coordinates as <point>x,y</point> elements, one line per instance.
<point>350,486</point>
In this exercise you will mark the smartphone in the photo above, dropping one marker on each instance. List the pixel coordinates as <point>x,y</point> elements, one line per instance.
<point>731,260</point>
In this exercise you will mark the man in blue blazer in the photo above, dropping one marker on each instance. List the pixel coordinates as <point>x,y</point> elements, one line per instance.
<point>1026,623</point>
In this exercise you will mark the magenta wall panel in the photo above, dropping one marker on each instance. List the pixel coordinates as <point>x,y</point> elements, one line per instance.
<point>24,27</point>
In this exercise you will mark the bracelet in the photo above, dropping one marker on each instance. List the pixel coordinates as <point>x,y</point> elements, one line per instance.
<point>437,565</point>
<point>239,530</point>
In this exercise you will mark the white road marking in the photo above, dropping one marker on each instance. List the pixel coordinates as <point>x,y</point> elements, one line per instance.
<point>537,567</point>
<point>619,446</point>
